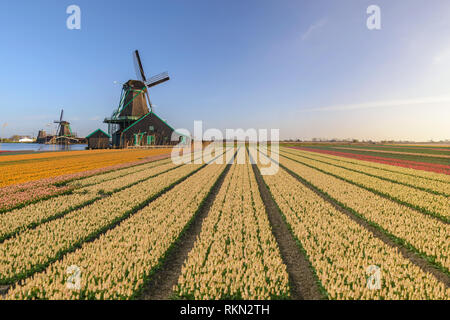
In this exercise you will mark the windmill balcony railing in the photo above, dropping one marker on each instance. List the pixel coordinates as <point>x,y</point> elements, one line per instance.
<point>119,119</point>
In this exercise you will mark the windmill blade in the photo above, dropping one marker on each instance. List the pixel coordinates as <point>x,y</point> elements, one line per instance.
<point>62,112</point>
<point>136,67</point>
<point>139,65</point>
<point>155,80</point>
<point>58,129</point>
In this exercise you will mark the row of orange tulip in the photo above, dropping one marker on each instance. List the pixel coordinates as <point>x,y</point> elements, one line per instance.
<point>24,193</point>
<point>17,171</point>
<point>20,219</point>
<point>30,250</point>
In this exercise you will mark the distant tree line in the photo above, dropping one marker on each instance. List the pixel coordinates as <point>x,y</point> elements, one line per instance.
<point>352,140</point>
<point>14,138</point>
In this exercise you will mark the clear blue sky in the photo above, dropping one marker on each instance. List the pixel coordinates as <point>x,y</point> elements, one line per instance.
<point>308,67</point>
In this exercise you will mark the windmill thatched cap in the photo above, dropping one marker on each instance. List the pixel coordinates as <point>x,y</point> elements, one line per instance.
<point>135,84</point>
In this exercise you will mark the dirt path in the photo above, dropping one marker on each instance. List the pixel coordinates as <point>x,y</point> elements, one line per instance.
<point>406,253</point>
<point>165,278</point>
<point>3,290</point>
<point>302,280</point>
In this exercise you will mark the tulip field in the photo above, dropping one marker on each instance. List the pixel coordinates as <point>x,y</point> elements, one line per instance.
<point>133,224</point>
<point>31,177</point>
<point>236,255</point>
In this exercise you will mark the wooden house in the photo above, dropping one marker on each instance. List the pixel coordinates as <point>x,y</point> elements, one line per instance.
<point>149,130</point>
<point>98,140</point>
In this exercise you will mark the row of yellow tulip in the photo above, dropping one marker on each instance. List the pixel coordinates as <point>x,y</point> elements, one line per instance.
<point>425,233</point>
<point>121,182</point>
<point>438,205</point>
<point>30,250</point>
<point>116,265</point>
<point>236,255</point>
<point>85,182</point>
<point>359,165</point>
<point>441,177</point>
<point>341,251</point>
<point>116,180</point>
<point>20,219</point>
<point>18,171</point>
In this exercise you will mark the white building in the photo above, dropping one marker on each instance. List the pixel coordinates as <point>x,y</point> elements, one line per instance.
<point>26,140</point>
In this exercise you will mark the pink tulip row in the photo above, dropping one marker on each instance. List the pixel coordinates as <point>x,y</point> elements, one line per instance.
<point>433,167</point>
<point>15,195</point>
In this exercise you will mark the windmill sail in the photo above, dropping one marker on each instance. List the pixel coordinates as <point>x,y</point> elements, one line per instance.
<point>155,80</point>
<point>139,65</point>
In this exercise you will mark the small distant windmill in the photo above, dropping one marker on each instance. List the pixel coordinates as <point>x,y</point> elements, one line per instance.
<point>63,127</point>
<point>64,133</point>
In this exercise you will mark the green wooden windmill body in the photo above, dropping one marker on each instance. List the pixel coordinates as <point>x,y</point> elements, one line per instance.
<point>134,102</point>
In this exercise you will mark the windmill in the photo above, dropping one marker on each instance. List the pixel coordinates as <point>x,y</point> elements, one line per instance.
<point>63,127</point>
<point>153,81</point>
<point>64,133</point>
<point>134,100</point>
